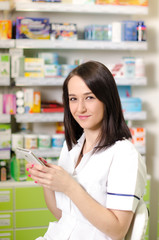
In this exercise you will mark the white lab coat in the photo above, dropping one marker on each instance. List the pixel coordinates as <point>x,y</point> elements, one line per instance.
<point>115,177</point>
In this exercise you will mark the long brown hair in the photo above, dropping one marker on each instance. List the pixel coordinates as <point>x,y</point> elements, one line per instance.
<point>102,84</point>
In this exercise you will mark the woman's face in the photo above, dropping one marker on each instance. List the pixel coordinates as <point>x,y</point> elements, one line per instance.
<point>86,109</point>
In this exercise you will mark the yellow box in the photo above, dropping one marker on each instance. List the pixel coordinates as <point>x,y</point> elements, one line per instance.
<point>5,29</point>
<point>106,1</point>
<point>37,102</point>
<point>133,2</point>
<point>34,67</point>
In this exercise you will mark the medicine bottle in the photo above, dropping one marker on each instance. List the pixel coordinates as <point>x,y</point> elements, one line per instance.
<point>3,171</point>
<point>139,67</point>
<point>141,31</point>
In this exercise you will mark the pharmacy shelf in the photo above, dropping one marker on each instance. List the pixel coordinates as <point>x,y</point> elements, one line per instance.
<point>8,43</point>
<point>58,81</point>
<point>54,81</point>
<point>50,152</point>
<point>81,8</point>
<point>39,117</point>
<point>5,154</point>
<point>80,44</point>
<point>142,115</point>
<point>141,149</point>
<point>4,5</point>
<point>5,118</point>
<point>138,81</point>
<point>4,81</point>
<point>58,117</point>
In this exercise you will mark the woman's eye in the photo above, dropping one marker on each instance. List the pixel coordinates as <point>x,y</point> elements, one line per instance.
<point>90,97</point>
<point>72,99</point>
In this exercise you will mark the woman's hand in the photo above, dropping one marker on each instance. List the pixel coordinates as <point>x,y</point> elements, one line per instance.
<point>51,176</point>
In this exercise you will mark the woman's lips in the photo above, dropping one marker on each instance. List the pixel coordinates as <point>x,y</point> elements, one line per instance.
<point>83,117</point>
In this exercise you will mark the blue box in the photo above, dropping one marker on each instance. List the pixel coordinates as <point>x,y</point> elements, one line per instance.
<point>131,104</point>
<point>124,91</point>
<point>129,30</point>
<point>32,28</point>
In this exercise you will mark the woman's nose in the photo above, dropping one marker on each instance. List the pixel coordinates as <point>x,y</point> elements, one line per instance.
<point>81,106</point>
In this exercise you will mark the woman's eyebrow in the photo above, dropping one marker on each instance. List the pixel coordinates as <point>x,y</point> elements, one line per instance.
<point>86,93</point>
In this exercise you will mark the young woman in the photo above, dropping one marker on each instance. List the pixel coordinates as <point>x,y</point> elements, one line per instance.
<point>101,177</point>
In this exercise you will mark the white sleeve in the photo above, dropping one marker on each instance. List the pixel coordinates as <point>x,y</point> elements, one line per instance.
<point>63,152</point>
<point>126,179</point>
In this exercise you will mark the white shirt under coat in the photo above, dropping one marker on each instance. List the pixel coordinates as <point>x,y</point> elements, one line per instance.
<point>115,177</point>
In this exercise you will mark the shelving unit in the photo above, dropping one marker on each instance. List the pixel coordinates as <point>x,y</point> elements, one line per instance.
<point>5,118</point>
<point>39,117</point>
<point>58,117</point>
<point>10,43</point>
<point>58,81</point>
<point>4,81</point>
<point>80,8</point>
<point>4,5</point>
<point>80,44</point>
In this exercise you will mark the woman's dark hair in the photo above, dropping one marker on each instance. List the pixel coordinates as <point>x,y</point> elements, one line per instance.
<point>102,84</point>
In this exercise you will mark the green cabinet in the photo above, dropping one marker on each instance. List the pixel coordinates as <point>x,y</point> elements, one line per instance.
<point>34,218</point>
<point>6,220</point>
<point>29,198</point>
<point>6,199</point>
<point>29,234</point>
<point>6,235</point>
<point>23,212</point>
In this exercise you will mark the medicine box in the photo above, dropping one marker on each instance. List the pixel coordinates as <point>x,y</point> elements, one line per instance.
<point>130,104</point>
<point>46,0</point>
<point>129,67</point>
<point>106,1</point>
<point>28,99</point>
<point>32,28</point>
<point>124,91</point>
<point>15,55</point>
<point>133,2</point>
<point>49,57</point>
<point>117,69</point>
<point>129,31</point>
<point>34,67</point>
<point>63,31</point>
<point>138,136</point>
<point>52,70</point>
<point>36,102</point>
<point>9,104</point>
<point>5,136</point>
<point>5,29</point>
<point>4,65</point>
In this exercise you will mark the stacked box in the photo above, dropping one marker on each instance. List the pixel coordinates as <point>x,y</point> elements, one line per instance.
<point>98,32</point>
<point>106,1</point>
<point>138,136</point>
<point>63,31</point>
<point>129,30</point>
<point>32,28</point>
<point>131,104</point>
<point>133,2</point>
<point>4,65</point>
<point>5,29</point>
<point>34,67</point>
<point>5,141</point>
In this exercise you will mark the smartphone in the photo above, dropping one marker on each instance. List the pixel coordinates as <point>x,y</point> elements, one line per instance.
<point>28,155</point>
